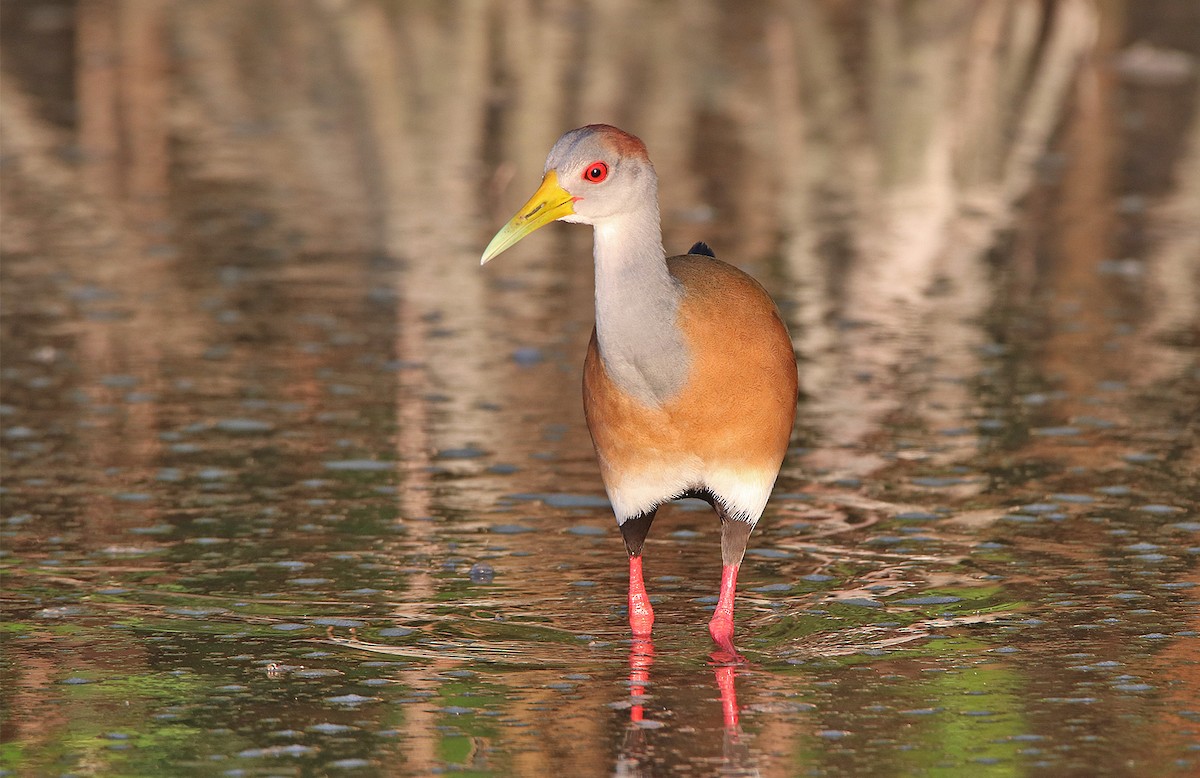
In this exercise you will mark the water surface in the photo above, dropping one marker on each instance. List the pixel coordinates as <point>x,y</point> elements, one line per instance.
<point>292,486</point>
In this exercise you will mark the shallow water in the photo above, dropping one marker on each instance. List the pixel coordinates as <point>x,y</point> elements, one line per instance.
<point>292,486</point>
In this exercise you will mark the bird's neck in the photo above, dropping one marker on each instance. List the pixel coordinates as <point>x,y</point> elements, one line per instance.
<point>637,308</point>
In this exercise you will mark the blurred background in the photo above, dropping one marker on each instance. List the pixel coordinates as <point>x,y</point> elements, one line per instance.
<point>246,334</point>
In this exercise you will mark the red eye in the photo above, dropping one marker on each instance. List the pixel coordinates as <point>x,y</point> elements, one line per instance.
<point>595,172</point>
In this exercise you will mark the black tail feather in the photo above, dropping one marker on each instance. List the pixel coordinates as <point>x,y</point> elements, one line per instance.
<point>701,248</point>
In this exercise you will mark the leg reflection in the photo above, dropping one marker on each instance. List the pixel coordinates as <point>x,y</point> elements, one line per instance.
<point>729,706</point>
<point>737,759</point>
<point>641,656</point>
<point>635,757</point>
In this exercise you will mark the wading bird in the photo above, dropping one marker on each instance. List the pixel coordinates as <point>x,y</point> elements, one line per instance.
<point>689,385</point>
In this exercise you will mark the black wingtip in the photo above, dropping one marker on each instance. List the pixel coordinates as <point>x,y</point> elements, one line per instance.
<point>701,248</point>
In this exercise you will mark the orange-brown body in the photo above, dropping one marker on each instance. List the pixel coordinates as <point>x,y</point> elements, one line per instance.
<point>727,430</point>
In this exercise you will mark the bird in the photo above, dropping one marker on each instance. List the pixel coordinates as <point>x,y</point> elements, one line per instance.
<point>690,381</point>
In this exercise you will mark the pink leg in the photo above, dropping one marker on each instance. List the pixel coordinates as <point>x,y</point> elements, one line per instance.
<point>721,625</point>
<point>641,615</point>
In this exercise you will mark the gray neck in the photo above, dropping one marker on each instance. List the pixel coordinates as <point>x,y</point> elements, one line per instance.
<point>637,307</point>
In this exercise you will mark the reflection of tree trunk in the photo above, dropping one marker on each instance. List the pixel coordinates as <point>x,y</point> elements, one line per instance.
<point>814,135</point>
<point>424,151</point>
<point>1086,231</point>
<point>677,61</point>
<point>1070,36</point>
<point>122,89</point>
<point>81,222</point>
<point>391,157</point>
<point>1172,289</point>
<point>143,78</point>
<point>414,446</point>
<point>931,187</point>
<point>1174,267</point>
<point>125,120</point>
<point>96,83</point>
<point>534,36</point>
<point>1085,214</point>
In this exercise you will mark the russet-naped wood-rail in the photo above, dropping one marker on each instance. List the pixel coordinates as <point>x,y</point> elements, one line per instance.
<point>689,385</point>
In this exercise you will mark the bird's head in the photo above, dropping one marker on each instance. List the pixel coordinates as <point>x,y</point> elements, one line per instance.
<point>593,174</point>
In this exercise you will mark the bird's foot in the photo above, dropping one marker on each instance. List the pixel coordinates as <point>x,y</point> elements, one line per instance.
<point>721,630</point>
<point>721,625</point>
<point>641,615</point>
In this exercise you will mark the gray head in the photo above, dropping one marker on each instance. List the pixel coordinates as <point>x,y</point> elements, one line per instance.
<point>605,169</point>
<point>592,174</point>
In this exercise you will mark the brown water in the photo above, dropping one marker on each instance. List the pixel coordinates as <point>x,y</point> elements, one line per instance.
<point>292,487</point>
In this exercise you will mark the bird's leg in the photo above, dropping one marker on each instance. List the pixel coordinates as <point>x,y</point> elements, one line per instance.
<point>734,534</point>
<point>641,615</point>
<point>721,624</point>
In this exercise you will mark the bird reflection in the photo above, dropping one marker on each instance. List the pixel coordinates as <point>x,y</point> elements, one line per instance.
<point>637,748</point>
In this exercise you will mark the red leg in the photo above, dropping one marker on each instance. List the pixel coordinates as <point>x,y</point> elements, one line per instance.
<point>641,615</point>
<point>721,625</point>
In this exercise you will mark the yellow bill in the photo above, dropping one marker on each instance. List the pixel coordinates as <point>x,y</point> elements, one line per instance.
<point>549,202</point>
